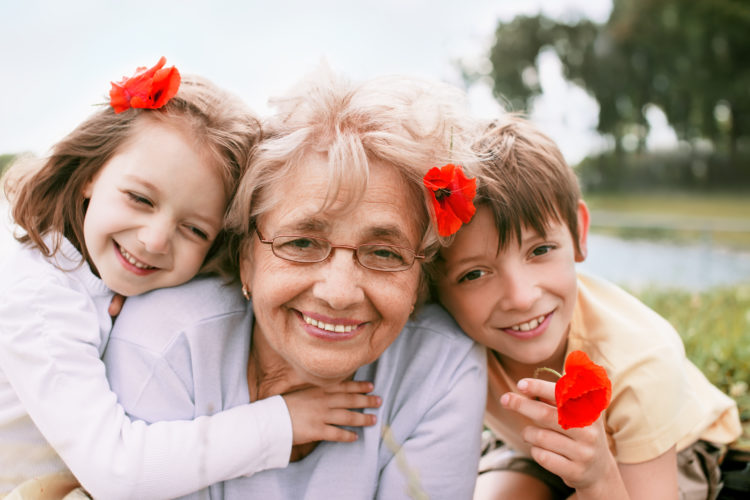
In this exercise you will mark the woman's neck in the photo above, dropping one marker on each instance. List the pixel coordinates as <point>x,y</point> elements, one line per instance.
<point>267,372</point>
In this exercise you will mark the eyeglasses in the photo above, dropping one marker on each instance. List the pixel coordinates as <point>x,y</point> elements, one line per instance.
<point>309,249</point>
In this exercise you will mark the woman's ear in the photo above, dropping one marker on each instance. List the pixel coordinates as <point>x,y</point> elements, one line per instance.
<point>583,231</point>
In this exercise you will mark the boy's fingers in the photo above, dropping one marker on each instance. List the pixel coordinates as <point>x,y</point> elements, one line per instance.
<point>543,414</point>
<point>539,389</point>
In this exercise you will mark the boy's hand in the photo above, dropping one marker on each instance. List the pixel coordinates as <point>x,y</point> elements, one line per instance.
<point>317,412</point>
<point>580,456</point>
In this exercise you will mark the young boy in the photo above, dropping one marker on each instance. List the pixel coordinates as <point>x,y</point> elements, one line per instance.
<point>509,279</point>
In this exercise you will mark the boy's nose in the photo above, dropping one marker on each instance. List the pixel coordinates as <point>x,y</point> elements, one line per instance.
<point>519,291</point>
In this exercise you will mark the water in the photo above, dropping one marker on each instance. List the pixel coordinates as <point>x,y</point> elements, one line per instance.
<point>640,263</point>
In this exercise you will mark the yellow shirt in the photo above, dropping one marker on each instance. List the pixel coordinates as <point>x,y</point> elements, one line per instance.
<point>659,398</point>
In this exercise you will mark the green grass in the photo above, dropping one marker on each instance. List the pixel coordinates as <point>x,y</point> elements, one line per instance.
<point>729,205</point>
<point>672,212</point>
<point>715,327</point>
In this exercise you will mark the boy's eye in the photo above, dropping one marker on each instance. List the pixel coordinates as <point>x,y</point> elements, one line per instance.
<point>541,250</point>
<point>139,199</point>
<point>471,275</point>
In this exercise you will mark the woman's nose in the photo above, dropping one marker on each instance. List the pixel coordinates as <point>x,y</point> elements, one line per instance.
<point>156,236</point>
<point>339,280</point>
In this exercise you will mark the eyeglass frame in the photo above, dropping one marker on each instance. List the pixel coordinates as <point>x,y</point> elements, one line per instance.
<point>354,249</point>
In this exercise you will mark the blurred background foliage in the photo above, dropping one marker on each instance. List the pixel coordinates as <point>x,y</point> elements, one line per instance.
<point>686,57</point>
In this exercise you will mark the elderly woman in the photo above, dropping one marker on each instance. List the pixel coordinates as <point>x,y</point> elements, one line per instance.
<point>331,226</point>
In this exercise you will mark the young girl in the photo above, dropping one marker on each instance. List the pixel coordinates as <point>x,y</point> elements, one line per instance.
<point>132,200</point>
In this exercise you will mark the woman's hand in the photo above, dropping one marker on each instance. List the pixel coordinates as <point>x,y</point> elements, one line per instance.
<point>317,412</point>
<point>580,456</point>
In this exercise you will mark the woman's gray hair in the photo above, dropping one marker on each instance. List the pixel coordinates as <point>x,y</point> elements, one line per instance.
<point>410,123</point>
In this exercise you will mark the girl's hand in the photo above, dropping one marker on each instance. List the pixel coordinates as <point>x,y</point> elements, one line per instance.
<point>580,456</point>
<point>115,306</point>
<point>317,412</point>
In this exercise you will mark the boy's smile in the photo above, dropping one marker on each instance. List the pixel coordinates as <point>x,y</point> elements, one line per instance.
<point>518,300</point>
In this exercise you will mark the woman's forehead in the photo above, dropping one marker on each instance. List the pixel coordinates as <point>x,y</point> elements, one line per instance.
<point>385,208</point>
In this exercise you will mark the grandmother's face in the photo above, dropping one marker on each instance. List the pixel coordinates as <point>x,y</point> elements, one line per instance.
<point>297,305</point>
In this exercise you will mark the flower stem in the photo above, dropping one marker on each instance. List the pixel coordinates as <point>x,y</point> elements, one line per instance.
<point>545,369</point>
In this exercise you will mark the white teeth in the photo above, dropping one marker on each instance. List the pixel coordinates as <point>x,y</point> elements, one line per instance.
<point>525,327</point>
<point>131,259</point>
<point>328,326</point>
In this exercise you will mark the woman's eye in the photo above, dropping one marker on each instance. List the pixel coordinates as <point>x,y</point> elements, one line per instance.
<point>299,248</point>
<point>541,250</point>
<point>139,199</point>
<point>386,253</point>
<point>471,275</point>
<point>300,243</point>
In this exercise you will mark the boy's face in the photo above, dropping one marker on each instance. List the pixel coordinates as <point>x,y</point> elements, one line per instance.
<point>518,302</point>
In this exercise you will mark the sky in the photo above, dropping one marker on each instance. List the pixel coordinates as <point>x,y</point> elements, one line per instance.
<point>58,57</point>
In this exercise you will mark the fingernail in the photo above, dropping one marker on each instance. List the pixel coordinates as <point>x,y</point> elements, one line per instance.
<point>523,385</point>
<point>504,399</point>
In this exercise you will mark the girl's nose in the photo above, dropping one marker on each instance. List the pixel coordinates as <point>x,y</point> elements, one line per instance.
<point>156,236</point>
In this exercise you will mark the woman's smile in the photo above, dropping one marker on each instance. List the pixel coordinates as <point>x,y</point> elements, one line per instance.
<point>328,328</point>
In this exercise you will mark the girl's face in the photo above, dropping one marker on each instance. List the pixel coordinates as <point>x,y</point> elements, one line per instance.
<point>154,210</point>
<point>518,301</point>
<point>324,320</point>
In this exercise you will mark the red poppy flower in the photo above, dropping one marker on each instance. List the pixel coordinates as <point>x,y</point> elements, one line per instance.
<point>147,88</point>
<point>452,195</point>
<point>582,393</point>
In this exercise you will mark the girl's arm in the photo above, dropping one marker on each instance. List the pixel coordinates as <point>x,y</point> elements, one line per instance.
<point>582,457</point>
<point>49,353</point>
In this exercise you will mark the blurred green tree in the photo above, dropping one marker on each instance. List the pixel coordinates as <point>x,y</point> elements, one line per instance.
<point>688,57</point>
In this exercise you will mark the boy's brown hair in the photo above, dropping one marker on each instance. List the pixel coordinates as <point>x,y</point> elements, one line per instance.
<point>525,180</point>
<point>46,198</point>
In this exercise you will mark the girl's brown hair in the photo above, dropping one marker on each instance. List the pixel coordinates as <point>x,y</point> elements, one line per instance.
<point>47,198</point>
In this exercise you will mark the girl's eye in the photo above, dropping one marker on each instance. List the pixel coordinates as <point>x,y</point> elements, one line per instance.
<point>199,232</point>
<point>140,199</point>
<point>471,275</point>
<point>541,250</point>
